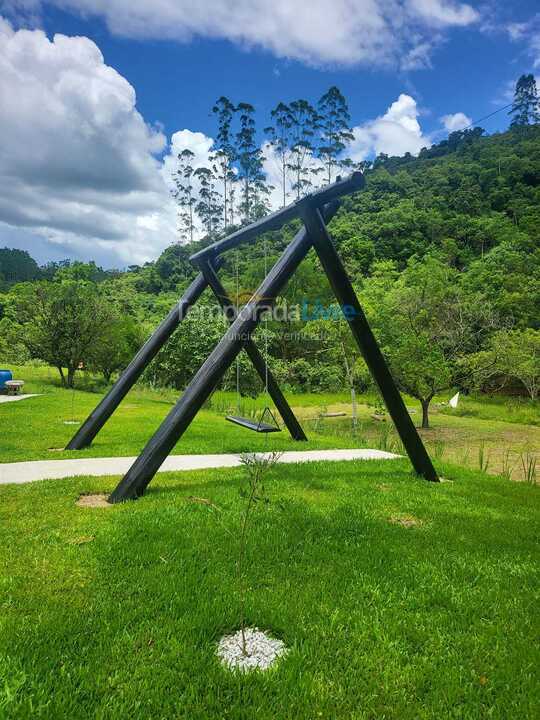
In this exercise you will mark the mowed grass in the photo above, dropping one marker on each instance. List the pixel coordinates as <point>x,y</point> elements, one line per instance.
<point>502,431</point>
<point>40,427</point>
<point>116,612</point>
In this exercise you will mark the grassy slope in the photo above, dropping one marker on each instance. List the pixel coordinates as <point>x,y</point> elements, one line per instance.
<point>114,613</point>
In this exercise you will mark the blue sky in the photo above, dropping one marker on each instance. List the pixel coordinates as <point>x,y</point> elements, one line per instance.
<point>83,164</point>
<point>177,83</point>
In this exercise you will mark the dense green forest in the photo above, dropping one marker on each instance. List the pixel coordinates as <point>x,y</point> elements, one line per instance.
<point>443,250</point>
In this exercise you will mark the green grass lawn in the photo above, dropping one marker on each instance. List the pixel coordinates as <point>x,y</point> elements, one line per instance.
<point>36,428</point>
<point>115,613</point>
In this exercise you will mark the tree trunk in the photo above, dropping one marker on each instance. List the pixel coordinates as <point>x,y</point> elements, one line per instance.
<point>425,412</point>
<point>62,376</point>
<point>71,377</point>
<point>354,408</point>
<point>225,199</point>
<point>350,379</point>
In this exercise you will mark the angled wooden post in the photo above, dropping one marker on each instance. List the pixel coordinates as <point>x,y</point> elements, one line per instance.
<point>98,417</point>
<point>346,296</point>
<point>134,483</point>
<point>259,363</point>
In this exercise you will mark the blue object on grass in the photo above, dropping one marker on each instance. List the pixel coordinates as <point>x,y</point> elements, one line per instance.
<point>4,376</point>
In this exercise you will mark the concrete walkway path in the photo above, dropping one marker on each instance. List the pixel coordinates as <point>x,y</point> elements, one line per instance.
<point>26,472</point>
<point>16,398</point>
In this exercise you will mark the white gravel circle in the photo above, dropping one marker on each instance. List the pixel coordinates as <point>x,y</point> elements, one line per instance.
<point>262,650</point>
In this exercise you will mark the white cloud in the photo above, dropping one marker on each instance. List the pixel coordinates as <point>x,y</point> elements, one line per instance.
<point>517,30</point>
<point>78,166</point>
<point>77,160</point>
<point>439,12</point>
<point>534,49</point>
<point>394,133</point>
<point>419,56</point>
<point>319,32</point>
<point>199,144</point>
<point>528,33</point>
<point>456,121</point>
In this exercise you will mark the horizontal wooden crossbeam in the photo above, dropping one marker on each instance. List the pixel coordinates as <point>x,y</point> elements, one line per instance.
<point>277,219</point>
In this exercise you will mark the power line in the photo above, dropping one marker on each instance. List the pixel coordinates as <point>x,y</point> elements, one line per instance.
<point>486,117</point>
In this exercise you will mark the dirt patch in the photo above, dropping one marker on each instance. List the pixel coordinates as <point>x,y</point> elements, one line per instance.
<point>406,521</point>
<point>93,501</point>
<point>384,487</point>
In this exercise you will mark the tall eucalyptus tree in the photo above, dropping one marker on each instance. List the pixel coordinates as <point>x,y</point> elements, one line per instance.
<point>183,193</point>
<point>334,129</point>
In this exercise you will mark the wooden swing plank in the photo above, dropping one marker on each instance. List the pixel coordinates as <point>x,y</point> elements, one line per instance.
<point>252,424</point>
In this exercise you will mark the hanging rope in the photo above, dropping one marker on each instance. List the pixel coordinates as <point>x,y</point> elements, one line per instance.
<point>259,425</point>
<point>237,311</point>
<point>265,327</point>
<point>266,338</point>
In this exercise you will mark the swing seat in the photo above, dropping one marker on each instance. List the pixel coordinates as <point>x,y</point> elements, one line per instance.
<point>255,425</point>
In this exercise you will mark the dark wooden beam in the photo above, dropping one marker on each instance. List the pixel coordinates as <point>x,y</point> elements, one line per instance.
<point>134,483</point>
<point>276,219</point>
<point>367,343</point>
<point>98,417</point>
<point>259,363</point>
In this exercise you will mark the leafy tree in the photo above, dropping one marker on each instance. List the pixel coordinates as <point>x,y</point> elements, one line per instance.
<point>225,155</point>
<point>426,325</point>
<point>77,270</point>
<point>208,205</point>
<point>118,342</point>
<point>334,128</point>
<point>49,270</point>
<point>303,117</point>
<point>16,266</point>
<point>250,161</point>
<point>512,354</point>
<point>508,278</point>
<point>520,351</point>
<point>334,346</point>
<point>280,140</point>
<point>58,322</point>
<point>188,348</point>
<point>174,267</point>
<point>355,248</point>
<point>184,194</point>
<point>526,106</point>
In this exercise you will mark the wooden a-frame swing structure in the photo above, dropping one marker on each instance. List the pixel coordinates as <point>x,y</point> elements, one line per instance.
<point>314,210</point>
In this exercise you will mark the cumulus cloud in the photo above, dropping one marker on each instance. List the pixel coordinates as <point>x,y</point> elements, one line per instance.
<point>199,144</point>
<point>79,168</point>
<point>343,32</point>
<point>77,161</point>
<point>394,133</point>
<point>456,121</point>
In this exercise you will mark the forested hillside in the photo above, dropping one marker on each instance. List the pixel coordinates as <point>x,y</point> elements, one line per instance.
<point>443,249</point>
